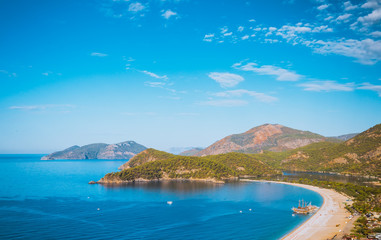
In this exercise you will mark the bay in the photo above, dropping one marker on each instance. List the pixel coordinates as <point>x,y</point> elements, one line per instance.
<point>53,200</point>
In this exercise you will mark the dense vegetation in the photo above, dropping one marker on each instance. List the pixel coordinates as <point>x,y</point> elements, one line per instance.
<point>177,167</point>
<point>152,164</point>
<point>359,155</point>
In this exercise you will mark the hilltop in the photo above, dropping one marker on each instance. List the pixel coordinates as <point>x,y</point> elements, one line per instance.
<point>152,165</point>
<point>270,137</point>
<point>358,155</point>
<point>123,150</point>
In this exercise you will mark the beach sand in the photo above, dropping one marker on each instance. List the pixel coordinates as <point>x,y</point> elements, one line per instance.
<point>329,221</point>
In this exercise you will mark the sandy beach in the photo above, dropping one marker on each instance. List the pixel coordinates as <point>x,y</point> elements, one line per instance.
<point>329,221</point>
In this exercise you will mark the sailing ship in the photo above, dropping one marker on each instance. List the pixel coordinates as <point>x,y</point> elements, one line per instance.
<point>304,208</point>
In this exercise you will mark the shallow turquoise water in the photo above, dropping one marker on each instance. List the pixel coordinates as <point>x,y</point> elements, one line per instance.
<point>52,200</point>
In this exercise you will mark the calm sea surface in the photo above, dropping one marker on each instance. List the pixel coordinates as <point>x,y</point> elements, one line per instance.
<point>53,200</point>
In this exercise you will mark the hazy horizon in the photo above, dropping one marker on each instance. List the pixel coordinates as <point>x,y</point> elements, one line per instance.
<point>181,73</point>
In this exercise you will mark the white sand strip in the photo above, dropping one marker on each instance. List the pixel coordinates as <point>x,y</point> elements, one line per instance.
<point>328,221</point>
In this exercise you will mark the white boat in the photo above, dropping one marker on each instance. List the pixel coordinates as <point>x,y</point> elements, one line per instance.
<point>169,202</point>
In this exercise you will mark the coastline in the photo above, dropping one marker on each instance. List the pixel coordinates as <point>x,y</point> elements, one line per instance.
<point>142,180</point>
<point>329,221</point>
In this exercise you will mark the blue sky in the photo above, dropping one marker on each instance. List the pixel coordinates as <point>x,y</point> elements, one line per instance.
<point>174,73</point>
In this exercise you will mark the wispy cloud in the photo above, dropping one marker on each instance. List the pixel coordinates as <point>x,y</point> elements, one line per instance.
<point>327,86</point>
<point>241,92</point>
<point>225,103</point>
<point>367,51</point>
<point>368,86</point>
<point>323,6</point>
<point>208,37</point>
<point>155,84</point>
<point>343,17</point>
<point>348,6</point>
<point>154,75</point>
<point>97,54</point>
<point>281,74</point>
<point>376,34</point>
<point>226,79</point>
<point>168,13</point>
<point>9,74</point>
<point>42,107</point>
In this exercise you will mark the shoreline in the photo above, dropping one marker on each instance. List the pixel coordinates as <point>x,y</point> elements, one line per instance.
<point>327,222</point>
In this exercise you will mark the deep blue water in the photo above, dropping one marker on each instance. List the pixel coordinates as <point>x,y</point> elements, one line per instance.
<point>53,200</point>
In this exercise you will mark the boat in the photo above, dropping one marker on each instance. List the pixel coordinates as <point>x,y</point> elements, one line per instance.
<point>304,208</point>
<point>169,202</point>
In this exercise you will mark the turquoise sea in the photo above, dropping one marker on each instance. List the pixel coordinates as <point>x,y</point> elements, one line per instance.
<point>53,200</point>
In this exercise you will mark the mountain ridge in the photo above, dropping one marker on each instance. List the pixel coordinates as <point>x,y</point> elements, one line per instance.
<point>271,137</point>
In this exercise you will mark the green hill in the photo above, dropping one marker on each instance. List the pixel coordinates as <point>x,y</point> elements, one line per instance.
<point>360,155</point>
<point>148,155</point>
<point>152,164</point>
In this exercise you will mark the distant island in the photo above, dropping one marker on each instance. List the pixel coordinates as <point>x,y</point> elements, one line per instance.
<point>360,155</point>
<point>123,150</point>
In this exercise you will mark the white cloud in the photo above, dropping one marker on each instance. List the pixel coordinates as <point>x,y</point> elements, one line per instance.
<point>281,74</point>
<point>293,32</point>
<point>226,79</point>
<point>376,34</point>
<point>271,40</point>
<point>367,51</point>
<point>322,7</point>
<point>240,92</point>
<point>136,7</point>
<point>348,6</point>
<point>224,30</point>
<point>208,37</point>
<point>154,75</point>
<point>371,18</point>
<point>240,29</point>
<point>368,86</point>
<point>343,17</point>
<point>42,107</point>
<point>228,34</point>
<point>167,14</point>
<point>225,103</point>
<point>97,54</point>
<point>371,4</point>
<point>327,86</point>
<point>245,37</point>
<point>155,84</point>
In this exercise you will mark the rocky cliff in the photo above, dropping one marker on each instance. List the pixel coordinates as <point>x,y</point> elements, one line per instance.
<point>123,150</point>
